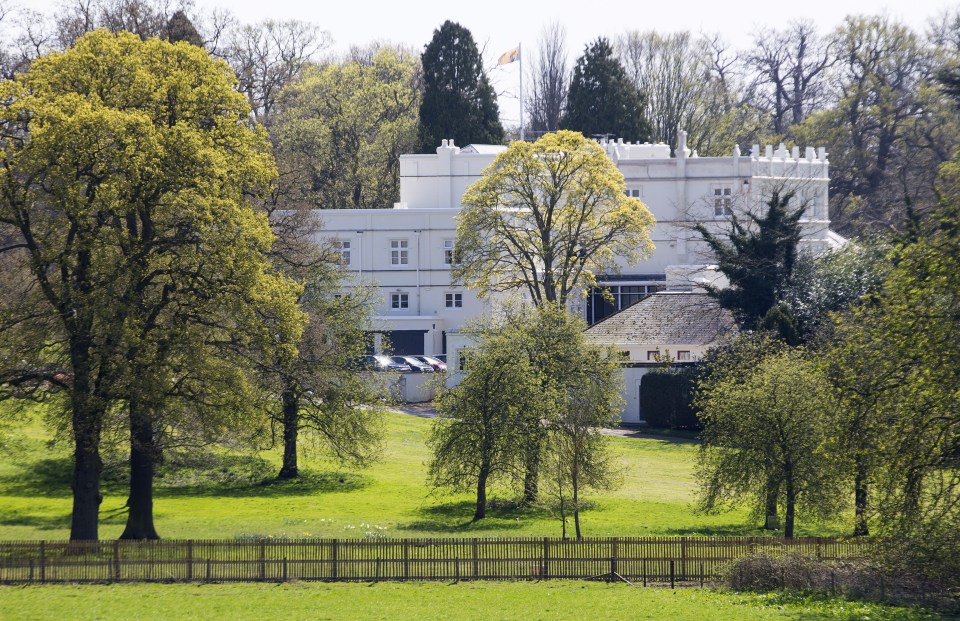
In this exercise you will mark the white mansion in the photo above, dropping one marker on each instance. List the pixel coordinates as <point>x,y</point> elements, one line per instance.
<point>407,251</point>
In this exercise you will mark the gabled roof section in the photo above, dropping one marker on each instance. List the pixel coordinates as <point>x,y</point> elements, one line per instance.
<point>483,148</point>
<point>666,317</point>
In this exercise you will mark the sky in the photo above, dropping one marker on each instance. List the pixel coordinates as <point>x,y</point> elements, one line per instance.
<point>500,25</point>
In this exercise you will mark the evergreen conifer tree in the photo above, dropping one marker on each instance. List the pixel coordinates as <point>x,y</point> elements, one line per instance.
<point>602,99</point>
<point>180,28</point>
<point>458,101</point>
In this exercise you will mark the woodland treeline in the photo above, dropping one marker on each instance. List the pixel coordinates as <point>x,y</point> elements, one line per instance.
<point>868,90</point>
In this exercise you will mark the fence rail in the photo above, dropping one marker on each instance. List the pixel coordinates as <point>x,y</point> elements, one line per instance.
<point>674,560</point>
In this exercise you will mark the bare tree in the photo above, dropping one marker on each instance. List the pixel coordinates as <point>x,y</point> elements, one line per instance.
<point>549,81</point>
<point>791,68</point>
<point>268,55</point>
<point>689,83</point>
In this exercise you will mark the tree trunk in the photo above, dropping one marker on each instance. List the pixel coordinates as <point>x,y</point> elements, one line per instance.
<point>143,457</point>
<point>531,478</point>
<point>771,522</point>
<point>481,511</point>
<point>575,485</point>
<point>87,467</point>
<point>291,427</point>
<point>791,506</point>
<point>860,528</point>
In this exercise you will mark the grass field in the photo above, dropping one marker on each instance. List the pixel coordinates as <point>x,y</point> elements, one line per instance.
<point>233,495</point>
<point>549,601</point>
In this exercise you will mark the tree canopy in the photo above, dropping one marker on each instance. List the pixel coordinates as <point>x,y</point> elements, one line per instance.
<point>757,257</point>
<point>341,128</point>
<point>125,168</point>
<point>602,100</point>
<point>546,217</point>
<point>458,101</point>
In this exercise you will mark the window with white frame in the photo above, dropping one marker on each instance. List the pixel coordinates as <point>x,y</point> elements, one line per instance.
<point>453,300</point>
<point>683,356</point>
<point>448,252</point>
<point>634,192</point>
<point>399,252</point>
<point>343,247</point>
<point>722,200</point>
<point>399,301</point>
<point>652,355</point>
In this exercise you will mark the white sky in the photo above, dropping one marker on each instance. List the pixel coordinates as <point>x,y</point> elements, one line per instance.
<point>499,25</point>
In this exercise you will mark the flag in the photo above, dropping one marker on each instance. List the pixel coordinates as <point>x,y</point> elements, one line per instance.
<point>509,56</point>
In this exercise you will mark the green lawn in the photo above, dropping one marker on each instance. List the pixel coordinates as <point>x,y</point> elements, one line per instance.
<point>550,601</point>
<point>233,495</point>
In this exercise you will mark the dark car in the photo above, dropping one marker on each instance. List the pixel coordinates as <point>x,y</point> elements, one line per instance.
<point>437,364</point>
<point>415,365</point>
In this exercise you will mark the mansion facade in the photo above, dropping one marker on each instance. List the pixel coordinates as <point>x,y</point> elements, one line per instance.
<point>407,251</point>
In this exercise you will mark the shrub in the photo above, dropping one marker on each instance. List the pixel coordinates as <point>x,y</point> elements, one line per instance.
<point>665,400</point>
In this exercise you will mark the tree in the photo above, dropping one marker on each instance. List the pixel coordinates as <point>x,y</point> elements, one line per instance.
<point>589,399</point>
<point>341,128</point>
<point>888,127</point>
<point>458,101</point>
<point>321,389</point>
<point>268,56</point>
<point>602,100</point>
<point>546,217</point>
<point>768,430</point>
<point>124,209</point>
<point>180,28</point>
<point>549,83</point>
<point>896,360</point>
<point>682,90</point>
<point>478,437</point>
<point>758,259</point>
<point>791,67</point>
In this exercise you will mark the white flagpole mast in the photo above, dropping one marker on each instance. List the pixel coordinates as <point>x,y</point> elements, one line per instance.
<point>520,54</point>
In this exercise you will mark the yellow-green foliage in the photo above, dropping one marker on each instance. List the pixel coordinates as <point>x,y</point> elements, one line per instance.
<point>546,217</point>
<point>342,128</point>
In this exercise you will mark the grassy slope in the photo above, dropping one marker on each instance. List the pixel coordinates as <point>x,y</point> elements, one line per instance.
<point>551,601</point>
<point>388,499</point>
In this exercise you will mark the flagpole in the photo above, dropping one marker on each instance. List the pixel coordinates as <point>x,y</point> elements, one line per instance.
<point>520,54</point>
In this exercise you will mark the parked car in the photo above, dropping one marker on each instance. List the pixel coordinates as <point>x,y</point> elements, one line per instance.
<point>415,365</point>
<point>380,362</point>
<point>437,364</point>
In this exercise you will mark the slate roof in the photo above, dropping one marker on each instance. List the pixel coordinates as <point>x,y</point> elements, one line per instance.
<point>668,318</point>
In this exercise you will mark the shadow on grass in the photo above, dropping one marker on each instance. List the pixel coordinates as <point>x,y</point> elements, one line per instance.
<point>307,483</point>
<point>48,477</point>
<point>457,517</point>
<point>40,522</point>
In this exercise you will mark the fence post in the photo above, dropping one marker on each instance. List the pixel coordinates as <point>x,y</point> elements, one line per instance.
<point>190,560</point>
<point>263,559</point>
<point>31,571</point>
<point>683,558</point>
<point>476,559</point>
<point>208,570</point>
<point>43,562</point>
<point>701,574</point>
<point>284,569</point>
<point>613,559</point>
<point>406,559</point>
<point>672,575</point>
<point>377,575</point>
<point>544,568</point>
<point>116,560</point>
<point>643,570</point>
<point>333,557</point>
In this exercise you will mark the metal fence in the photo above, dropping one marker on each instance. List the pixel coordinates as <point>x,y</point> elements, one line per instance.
<point>673,560</point>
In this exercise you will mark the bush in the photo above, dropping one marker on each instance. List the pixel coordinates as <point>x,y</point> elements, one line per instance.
<point>861,579</point>
<point>666,401</point>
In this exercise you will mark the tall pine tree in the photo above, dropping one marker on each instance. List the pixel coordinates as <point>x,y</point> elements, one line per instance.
<point>602,99</point>
<point>458,101</point>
